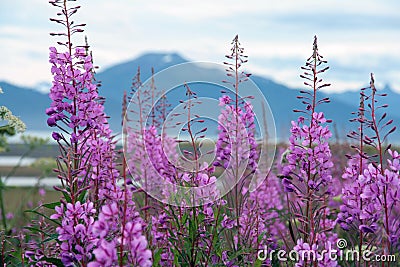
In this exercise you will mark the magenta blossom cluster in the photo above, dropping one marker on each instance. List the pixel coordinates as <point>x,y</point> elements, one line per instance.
<point>307,179</point>
<point>151,157</point>
<point>350,216</point>
<point>75,232</point>
<point>98,218</point>
<point>363,199</point>
<point>119,231</point>
<point>236,137</point>
<point>309,160</point>
<point>74,95</point>
<point>371,204</point>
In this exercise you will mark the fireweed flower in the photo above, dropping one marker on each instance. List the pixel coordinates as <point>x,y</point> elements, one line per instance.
<point>308,160</point>
<point>35,252</point>
<point>236,137</point>
<point>373,194</point>
<point>307,171</point>
<point>383,179</point>
<point>237,156</point>
<point>87,166</point>
<point>203,218</point>
<point>161,233</point>
<point>232,137</point>
<point>370,202</point>
<point>150,155</point>
<point>353,209</point>
<point>261,214</point>
<point>118,231</point>
<point>75,105</point>
<point>74,95</point>
<point>75,231</point>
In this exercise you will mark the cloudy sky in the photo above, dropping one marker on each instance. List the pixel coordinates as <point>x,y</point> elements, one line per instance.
<point>356,37</point>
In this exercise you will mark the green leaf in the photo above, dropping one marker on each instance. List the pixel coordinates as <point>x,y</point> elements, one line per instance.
<point>258,263</point>
<point>291,231</point>
<point>43,215</point>
<point>66,196</point>
<point>172,213</point>
<point>35,230</point>
<point>184,218</point>
<point>82,196</point>
<point>55,261</point>
<point>51,205</point>
<point>157,257</point>
<point>176,260</point>
<point>50,238</point>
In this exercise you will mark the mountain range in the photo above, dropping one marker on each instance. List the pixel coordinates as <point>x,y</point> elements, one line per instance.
<point>30,104</point>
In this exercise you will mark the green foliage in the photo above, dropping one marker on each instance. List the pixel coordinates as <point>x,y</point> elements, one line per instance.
<point>55,261</point>
<point>38,211</point>
<point>9,125</point>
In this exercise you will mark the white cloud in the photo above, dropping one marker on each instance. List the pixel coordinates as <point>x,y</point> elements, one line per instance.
<point>119,30</point>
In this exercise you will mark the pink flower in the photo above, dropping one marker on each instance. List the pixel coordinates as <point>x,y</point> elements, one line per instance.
<point>224,100</point>
<point>106,254</point>
<point>10,216</point>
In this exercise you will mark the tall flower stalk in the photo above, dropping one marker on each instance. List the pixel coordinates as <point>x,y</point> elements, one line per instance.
<point>92,231</point>
<point>236,146</point>
<point>370,202</point>
<point>349,215</point>
<point>307,174</point>
<point>377,141</point>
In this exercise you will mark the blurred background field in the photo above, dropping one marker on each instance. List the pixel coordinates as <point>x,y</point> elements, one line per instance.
<point>28,178</point>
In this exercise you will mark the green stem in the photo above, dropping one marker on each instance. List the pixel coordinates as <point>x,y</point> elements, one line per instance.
<point>3,213</point>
